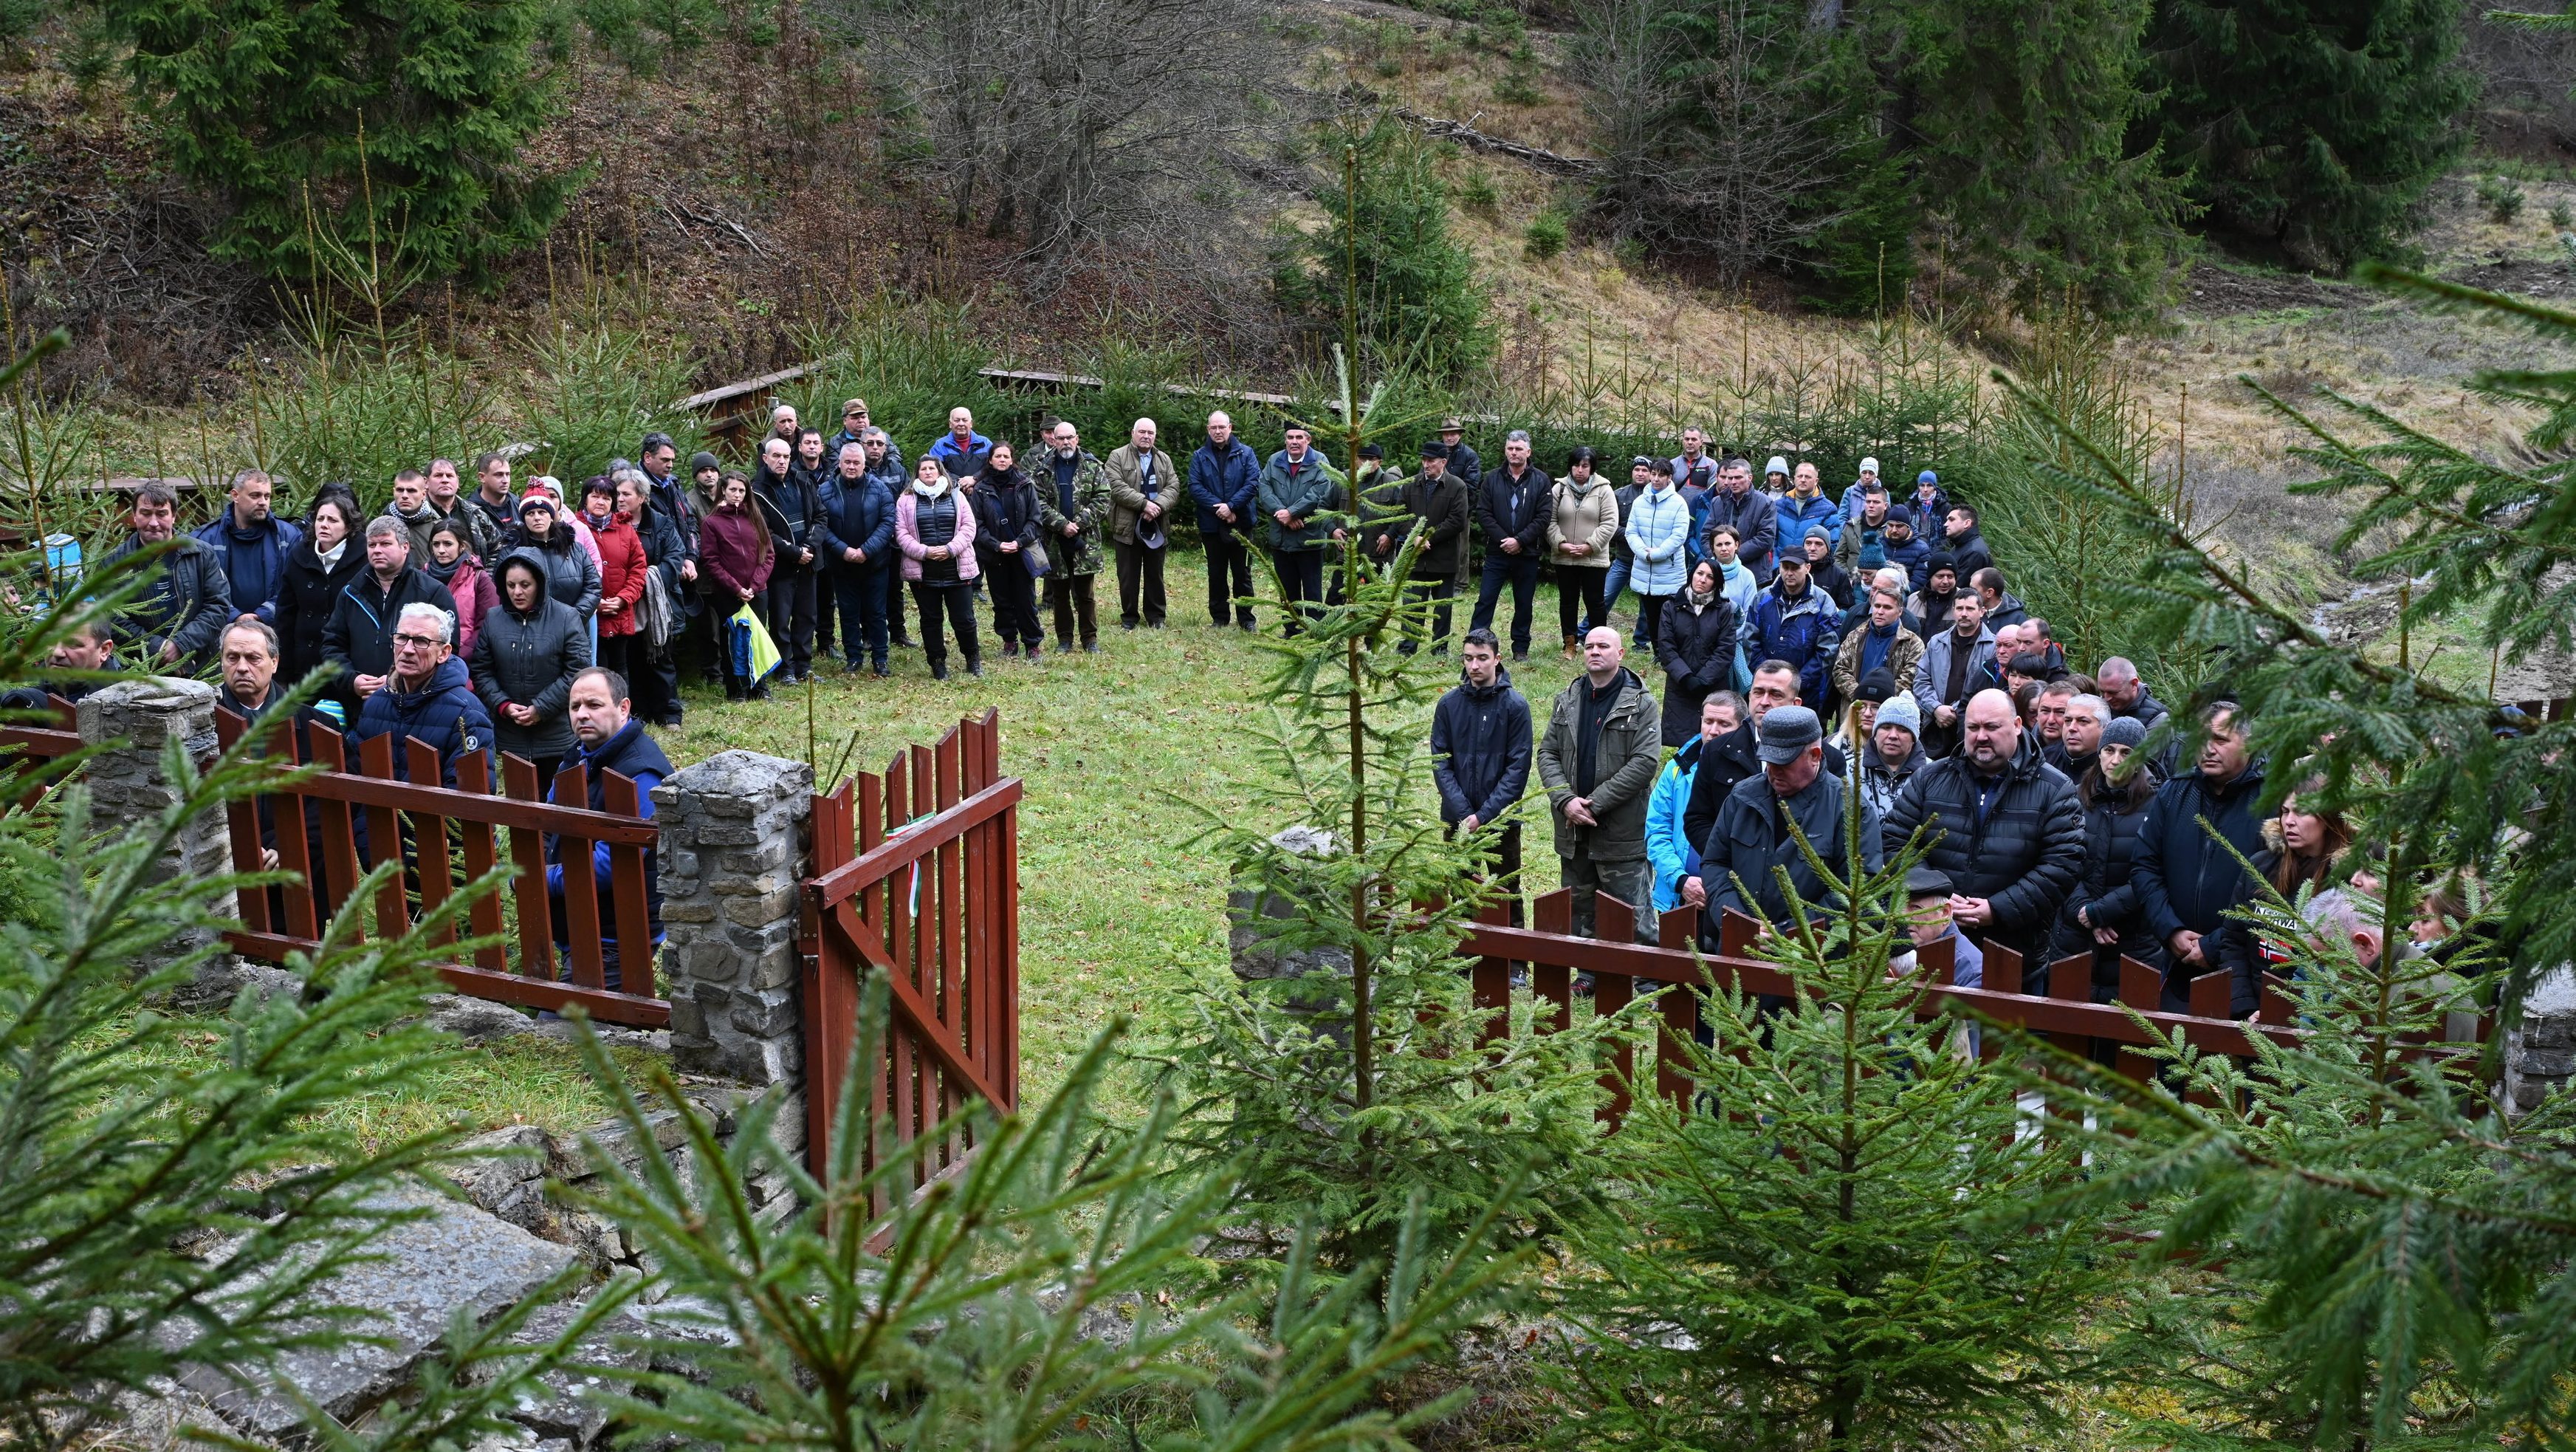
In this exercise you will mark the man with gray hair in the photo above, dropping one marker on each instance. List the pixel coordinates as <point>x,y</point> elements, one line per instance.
<point>1144,489</point>
<point>428,696</point>
<point>360,636</point>
<point>1512,513</point>
<point>2086,718</point>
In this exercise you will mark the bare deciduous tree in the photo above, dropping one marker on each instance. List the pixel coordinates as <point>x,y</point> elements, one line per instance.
<point>1100,134</point>
<point>1711,138</point>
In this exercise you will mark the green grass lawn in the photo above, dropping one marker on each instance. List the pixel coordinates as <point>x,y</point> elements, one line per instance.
<point>1114,749</point>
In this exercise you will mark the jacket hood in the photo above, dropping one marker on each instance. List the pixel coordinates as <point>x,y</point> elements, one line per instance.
<point>1502,683</point>
<point>533,560</point>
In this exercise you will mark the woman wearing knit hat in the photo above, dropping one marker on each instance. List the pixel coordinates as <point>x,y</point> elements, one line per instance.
<point>2103,916</point>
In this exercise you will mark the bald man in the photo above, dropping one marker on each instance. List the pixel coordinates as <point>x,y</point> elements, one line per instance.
<point>2004,825</point>
<point>1604,740</point>
<point>1144,489</point>
<point>1224,475</point>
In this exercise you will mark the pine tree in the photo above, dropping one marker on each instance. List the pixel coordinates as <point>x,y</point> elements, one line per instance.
<point>385,134</point>
<point>1835,1244</point>
<point>2020,120</point>
<point>2312,128</point>
<point>1390,209</point>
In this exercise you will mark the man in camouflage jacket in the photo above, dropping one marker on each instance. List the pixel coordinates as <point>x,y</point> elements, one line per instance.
<point>1073,518</point>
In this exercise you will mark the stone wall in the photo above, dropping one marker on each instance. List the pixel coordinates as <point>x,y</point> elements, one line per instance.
<point>736,838</point>
<point>133,723</point>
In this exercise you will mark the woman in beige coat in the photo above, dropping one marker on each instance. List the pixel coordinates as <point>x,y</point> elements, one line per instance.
<point>1583,522</point>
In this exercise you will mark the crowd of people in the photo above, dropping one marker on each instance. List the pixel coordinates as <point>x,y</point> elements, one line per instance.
<point>1808,646</point>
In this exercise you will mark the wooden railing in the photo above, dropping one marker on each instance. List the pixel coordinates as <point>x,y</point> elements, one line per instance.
<point>35,744</point>
<point>916,872</point>
<point>1622,968</point>
<point>316,826</point>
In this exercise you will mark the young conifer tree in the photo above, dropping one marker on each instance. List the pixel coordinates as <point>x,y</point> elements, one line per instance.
<point>1350,1088</point>
<point>1833,1244</point>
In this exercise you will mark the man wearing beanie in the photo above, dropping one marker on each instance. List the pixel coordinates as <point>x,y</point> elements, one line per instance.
<point>1894,753</point>
<point>1905,548</point>
<point>1940,589</point>
<point>1740,867</point>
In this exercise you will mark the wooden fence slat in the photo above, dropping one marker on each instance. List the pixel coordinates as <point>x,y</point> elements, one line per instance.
<point>1490,980</point>
<point>1677,930</point>
<point>429,834</point>
<point>528,882</point>
<point>583,933</point>
<point>474,774</point>
<point>340,866</point>
<point>1611,992</point>
<point>634,912</point>
<point>385,840</point>
<point>1554,982</point>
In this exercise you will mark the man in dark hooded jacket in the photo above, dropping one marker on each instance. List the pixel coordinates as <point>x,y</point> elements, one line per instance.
<point>1480,751</point>
<point>428,697</point>
<point>610,739</point>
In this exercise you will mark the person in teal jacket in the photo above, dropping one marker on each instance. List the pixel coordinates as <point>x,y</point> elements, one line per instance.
<point>1669,849</point>
<point>1300,496</point>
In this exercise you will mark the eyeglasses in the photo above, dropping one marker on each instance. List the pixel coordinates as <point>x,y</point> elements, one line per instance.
<point>419,642</point>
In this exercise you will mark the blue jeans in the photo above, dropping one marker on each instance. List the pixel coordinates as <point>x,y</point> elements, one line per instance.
<point>1613,586</point>
<point>1522,571</point>
<point>860,592</point>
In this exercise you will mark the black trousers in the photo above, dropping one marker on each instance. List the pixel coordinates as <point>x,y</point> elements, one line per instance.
<point>1229,571</point>
<point>859,593</point>
<point>1015,602</point>
<point>1650,617</point>
<point>1301,578</point>
<point>957,601</point>
<point>1140,572</point>
<point>1522,572</point>
<point>827,585</point>
<point>1579,593</point>
<point>1070,597</point>
<point>624,654</point>
<point>791,617</point>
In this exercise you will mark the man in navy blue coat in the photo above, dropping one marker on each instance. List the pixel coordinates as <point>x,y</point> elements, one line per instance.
<point>1480,753</point>
<point>1224,473</point>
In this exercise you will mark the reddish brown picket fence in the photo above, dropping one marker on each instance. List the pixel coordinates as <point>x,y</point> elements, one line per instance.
<point>450,837</point>
<point>35,745</point>
<point>1622,968</point>
<point>916,872</point>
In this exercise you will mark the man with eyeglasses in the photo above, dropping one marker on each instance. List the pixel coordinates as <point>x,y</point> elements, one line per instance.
<point>427,697</point>
<point>360,636</point>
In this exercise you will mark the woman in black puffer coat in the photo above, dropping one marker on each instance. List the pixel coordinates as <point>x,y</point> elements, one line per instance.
<point>2115,807</point>
<point>1006,520</point>
<point>319,567</point>
<point>1695,644</point>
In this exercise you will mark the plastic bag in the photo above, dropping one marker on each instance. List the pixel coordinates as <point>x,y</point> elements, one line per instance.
<point>754,654</point>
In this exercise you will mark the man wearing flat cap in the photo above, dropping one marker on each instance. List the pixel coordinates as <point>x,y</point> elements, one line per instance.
<point>1752,835</point>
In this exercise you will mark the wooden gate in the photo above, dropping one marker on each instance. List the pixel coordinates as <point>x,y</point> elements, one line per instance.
<point>916,872</point>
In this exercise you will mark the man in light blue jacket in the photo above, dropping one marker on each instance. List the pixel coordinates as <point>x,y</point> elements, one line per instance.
<point>1658,531</point>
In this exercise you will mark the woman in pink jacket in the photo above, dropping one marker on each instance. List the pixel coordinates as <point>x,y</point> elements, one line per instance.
<point>936,532</point>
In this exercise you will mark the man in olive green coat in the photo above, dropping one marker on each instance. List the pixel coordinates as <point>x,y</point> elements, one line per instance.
<point>1073,510</point>
<point>1597,761</point>
<point>1144,488</point>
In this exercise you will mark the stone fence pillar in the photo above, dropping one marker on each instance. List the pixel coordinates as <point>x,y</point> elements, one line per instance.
<point>736,841</point>
<point>133,722</point>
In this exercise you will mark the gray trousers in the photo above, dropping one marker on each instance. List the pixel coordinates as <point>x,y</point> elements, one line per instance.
<point>1631,880</point>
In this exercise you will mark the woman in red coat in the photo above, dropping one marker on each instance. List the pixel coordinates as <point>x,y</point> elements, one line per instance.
<point>734,546</point>
<point>621,579</point>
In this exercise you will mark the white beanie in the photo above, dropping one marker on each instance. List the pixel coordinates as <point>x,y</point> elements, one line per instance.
<point>1869,466</point>
<point>1900,710</point>
<point>1778,465</point>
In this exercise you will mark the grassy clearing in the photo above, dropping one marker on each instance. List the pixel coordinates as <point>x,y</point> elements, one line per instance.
<point>1117,749</point>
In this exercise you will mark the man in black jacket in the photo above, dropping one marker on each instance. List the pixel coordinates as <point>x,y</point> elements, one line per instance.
<point>2007,829</point>
<point>1435,503</point>
<point>185,602</point>
<point>1480,754</point>
<point>1513,511</point>
<point>1751,838</point>
<point>360,638</point>
<point>2186,881</point>
<point>1731,758</point>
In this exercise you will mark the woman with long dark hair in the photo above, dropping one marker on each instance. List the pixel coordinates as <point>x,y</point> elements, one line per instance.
<point>2104,917</point>
<point>735,546</point>
<point>319,567</point>
<point>1006,524</point>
